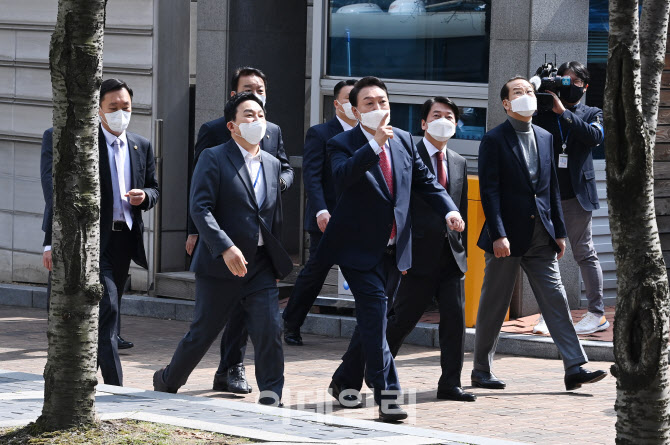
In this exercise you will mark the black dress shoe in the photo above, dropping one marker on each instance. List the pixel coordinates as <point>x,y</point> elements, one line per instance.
<point>483,379</point>
<point>292,337</point>
<point>455,393</point>
<point>270,401</point>
<point>574,381</point>
<point>122,344</point>
<point>159,383</point>
<point>348,400</point>
<point>391,413</point>
<point>237,380</point>
<point>220,382</point>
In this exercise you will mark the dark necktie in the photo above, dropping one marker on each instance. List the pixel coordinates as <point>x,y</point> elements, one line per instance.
<point>441,171</point>
<point>388,177</point>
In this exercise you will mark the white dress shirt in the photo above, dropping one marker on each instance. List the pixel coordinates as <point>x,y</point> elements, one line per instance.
<point>255,169</point>
<point>122,207</point>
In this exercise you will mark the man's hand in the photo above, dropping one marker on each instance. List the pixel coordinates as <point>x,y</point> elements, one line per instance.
<point>235,261</point>
<point>501,247</point>
<point>558,107</point>
<point>455,222</point>
<point>404,272</point>
<point>384,132</point>
<point>46,260</point>
<point>322,221</point>
<point>561,244</point>
<point>135,196</point>
<point>190,243</point>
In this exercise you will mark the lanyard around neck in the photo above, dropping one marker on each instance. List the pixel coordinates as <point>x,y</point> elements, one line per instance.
<point>564,141</point>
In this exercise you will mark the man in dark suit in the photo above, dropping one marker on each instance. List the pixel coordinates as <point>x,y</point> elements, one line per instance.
<point>318,179</point>
<point>230,375</point>
<point>524,227</point>
<point>127,187</point>
<point>375,167</point>
<point>577,129</point>
<point>236,205</point>
<point>439,257</point>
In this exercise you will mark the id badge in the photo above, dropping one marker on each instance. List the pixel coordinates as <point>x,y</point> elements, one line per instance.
<point>562,160</point>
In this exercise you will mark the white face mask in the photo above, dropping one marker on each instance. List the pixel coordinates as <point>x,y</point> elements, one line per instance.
<point>117,121</point>
<point>261,97</point>
<point>524,105</point>
<point>252,132</point>
<point>441,129</point>
<point>347,110</point>
<point>373,118</point>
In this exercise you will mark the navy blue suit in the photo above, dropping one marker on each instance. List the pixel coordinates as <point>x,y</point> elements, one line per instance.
<point>318,179</point>
<point>509,199</point>
<point>357,236</point>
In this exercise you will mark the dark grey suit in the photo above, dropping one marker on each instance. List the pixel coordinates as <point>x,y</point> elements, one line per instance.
<point>225,212</point>
<point>438,264</point>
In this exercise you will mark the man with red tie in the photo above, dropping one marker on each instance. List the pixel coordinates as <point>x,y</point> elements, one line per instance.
<point>375,168</point>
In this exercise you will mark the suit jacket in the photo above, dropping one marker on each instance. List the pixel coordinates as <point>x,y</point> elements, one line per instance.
<point>46,166</point>
<point>225,211</point>
<point>317,173</point>
<point>215,133</point>
<point>510,201</point>
<point>429,228</point>
<point>361,224</point>
<point>584,126</point>
<point>143,176</point>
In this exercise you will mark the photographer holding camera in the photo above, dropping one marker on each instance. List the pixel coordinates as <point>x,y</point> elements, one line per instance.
<point>576,130</point>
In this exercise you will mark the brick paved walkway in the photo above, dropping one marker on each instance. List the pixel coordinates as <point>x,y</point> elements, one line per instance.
<point>534,407</point>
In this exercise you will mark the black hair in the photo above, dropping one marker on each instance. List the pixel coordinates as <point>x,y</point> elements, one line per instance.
<point>369,81</point>
<point>230,110</point>
<point>577,68</point>
<point>504,91</point>
<point>427,105</point>
<point>114,85</point>
<point>246,71</point>
<point>341,84</point>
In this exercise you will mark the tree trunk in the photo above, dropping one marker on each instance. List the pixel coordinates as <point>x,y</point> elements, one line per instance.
<point>76,74</point>
<point>641,325</point>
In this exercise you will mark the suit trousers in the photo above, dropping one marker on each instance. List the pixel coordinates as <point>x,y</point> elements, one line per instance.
<point>307,286</point>
<point>578,223</point>
<point>541,267</point>
<point>216,300</point>
<point>114,266</point>
<point>416,291</point>
<point>368,350</point>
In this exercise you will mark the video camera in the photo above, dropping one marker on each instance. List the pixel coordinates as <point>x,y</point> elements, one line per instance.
<point>547,79</point>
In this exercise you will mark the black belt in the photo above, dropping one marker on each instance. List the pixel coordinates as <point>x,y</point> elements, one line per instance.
<point>119,226</point>
<point>390,250</point>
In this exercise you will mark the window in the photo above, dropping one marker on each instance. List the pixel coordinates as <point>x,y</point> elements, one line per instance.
<point>432,40</point>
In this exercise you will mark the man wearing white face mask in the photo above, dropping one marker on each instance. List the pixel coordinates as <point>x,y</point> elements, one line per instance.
<point>524,227</point>
<point>127,187</point>
<point>439,257</point>
<point>318,179</point>
<point>236,205</point>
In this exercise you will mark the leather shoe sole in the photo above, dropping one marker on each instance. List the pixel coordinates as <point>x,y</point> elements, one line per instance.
<point>457,394</point>
<point>352,401</point>
<point>392,413</point>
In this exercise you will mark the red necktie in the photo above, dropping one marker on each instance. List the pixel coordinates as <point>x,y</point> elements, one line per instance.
<point>388,177</point>
<point>441,171</point>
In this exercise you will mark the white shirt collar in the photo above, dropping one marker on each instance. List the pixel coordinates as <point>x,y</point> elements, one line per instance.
<point>369,136</point>
<point>433,149</point>
<point>110,138</point>
<point>345,125</point>
<point>248,156</point>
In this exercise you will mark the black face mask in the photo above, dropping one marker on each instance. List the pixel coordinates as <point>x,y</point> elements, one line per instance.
<point>572,95</point>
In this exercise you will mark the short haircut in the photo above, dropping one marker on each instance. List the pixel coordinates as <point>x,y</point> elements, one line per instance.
<point>246,71</point>
<point>577,68</point>
<point>427,105</point>
<point>341,84</point>
<point>369,81</point>
<point>504,91</point>
<point>114,84</point>
<point>230,110</point>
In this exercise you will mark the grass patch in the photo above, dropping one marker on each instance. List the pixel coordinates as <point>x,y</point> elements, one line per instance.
<point>116,432</point>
